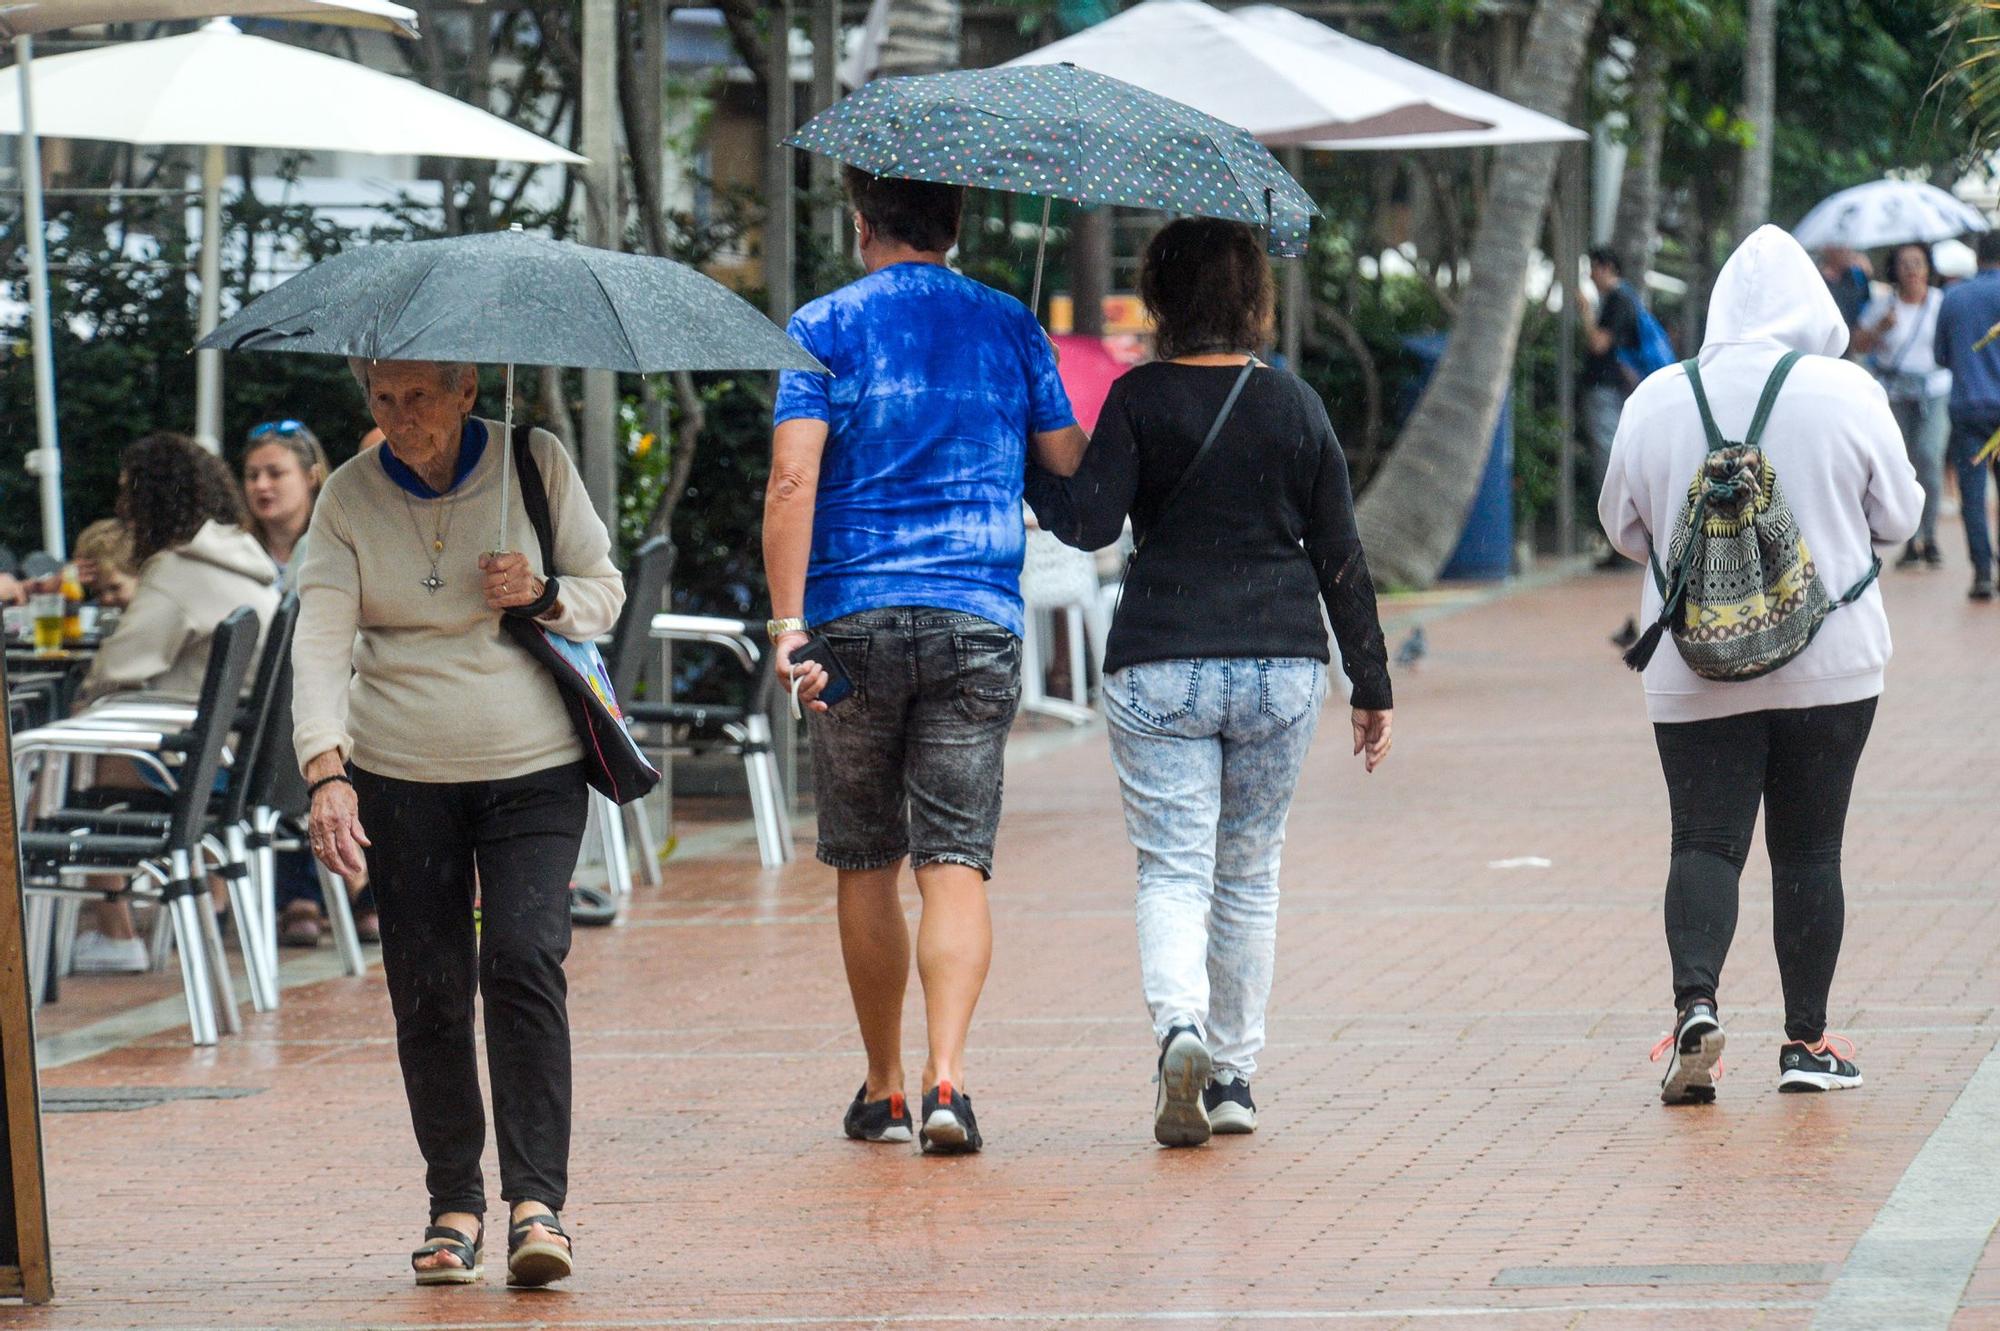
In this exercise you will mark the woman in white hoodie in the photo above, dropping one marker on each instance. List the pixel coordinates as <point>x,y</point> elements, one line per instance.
<point>1791,740</point>
<point>196,567</point>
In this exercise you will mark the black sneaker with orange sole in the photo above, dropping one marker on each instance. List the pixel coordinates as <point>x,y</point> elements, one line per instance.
<point>886,1120</point>
<point>949,1127</point>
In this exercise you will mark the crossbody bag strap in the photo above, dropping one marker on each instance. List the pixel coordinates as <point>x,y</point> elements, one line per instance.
<point>1770,397</point>
<point>1207,445</point>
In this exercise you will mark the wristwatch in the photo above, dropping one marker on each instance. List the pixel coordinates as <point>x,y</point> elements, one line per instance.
<point>777,628</point>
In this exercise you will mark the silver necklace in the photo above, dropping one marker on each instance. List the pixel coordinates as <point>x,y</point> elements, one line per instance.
<point>440,532</point>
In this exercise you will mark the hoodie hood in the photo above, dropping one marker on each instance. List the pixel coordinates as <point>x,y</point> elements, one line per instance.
<point>1771,292</point>
<point>227,546</point>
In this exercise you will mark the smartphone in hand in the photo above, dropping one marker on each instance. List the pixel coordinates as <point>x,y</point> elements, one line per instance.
<point>839,684</point>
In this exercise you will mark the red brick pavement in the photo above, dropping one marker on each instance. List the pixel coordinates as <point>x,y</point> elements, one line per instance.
<point>1456,1095</point>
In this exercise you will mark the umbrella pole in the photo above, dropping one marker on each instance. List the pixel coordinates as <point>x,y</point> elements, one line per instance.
<point>506,457</point>
<point>48,455</point>
<point>1041,253</point>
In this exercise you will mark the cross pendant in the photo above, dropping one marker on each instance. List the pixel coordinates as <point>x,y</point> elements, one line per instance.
<point>432,583</point>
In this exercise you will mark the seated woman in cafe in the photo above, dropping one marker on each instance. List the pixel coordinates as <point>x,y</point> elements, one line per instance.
<point>197,566</point>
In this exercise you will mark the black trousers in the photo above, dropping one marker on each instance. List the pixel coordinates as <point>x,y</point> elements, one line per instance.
<point>522,836</point>
<point>1799,766</point>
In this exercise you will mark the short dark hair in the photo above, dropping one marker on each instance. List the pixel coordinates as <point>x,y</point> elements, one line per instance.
<point>1988,248</point>
<point>1208,287</point>
<point>921,213</point>
<point>1607,256</point>
<point>169,486</point>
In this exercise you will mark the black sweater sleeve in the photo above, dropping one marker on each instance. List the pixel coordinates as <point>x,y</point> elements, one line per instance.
<point>1088,510</point>
<point>1334,543</point>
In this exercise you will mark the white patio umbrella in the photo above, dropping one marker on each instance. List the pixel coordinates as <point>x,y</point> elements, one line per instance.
<point>1506,122</point>
<point>1888,212</point>
<point>220,88</point>
<point>1279,90</point>
<point>19,21</point>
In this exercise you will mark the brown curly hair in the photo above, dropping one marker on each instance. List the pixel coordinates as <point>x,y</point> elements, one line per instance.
<point>1208,287</point>
<point>168,486</point>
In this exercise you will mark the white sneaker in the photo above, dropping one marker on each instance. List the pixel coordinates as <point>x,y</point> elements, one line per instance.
<point>95,954</point>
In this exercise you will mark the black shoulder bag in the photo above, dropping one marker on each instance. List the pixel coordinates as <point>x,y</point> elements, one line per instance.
<point>612,762</point>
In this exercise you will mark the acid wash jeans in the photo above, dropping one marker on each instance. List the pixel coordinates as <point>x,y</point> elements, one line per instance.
<point>1208,754</point>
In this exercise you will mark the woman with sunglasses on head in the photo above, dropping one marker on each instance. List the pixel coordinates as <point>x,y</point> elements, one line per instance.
<point>283,469</point>
<point>1216,668</point>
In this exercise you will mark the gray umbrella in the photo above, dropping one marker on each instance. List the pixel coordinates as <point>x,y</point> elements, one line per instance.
<point>510,298</point>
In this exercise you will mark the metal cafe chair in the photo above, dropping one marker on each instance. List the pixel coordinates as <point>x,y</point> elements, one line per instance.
<point>744,730</point>
<point>162,860</point>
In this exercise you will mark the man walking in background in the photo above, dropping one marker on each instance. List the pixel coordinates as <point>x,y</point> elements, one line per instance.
<point>1610,325</point>
<point>1969,313</point>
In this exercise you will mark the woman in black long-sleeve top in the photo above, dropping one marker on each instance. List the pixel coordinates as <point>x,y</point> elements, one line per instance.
<point>1216,668</point>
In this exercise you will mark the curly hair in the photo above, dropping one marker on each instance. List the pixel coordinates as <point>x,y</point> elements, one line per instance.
<point>1208,287</point>
<point>168,486</point>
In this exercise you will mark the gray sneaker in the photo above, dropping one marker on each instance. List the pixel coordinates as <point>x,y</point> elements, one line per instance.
<point>1179,1116</point>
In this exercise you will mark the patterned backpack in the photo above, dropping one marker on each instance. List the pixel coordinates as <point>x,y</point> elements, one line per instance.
<point>1742,596</point>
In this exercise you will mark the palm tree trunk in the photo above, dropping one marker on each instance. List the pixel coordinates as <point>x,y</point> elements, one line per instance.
<point>1760,87</point>
<point>1412,515</point>
<point>1635,233</point>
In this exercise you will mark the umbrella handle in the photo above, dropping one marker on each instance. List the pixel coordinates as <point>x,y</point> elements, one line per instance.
<point>1041,252</point>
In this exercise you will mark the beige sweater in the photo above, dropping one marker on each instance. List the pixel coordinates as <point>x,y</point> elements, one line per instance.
<point>423,686</point>
<point>161,642</point>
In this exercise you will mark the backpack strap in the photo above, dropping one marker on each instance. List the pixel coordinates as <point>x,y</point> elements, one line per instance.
<point>1770,397</point>
<point>1765,403</point>
<point>1855,592</point>
<point>1715,440</point>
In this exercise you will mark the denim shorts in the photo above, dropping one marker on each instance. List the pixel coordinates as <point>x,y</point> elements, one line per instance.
<point>910,764</point>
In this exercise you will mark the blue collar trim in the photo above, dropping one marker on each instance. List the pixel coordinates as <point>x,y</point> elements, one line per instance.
<point>471,447</point>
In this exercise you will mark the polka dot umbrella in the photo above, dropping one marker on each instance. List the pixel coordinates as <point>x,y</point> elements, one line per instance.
<point>1063,133</point>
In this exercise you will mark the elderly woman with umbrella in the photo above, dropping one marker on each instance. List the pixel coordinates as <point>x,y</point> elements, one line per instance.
<point>439,752</point>
<point>440,755</point>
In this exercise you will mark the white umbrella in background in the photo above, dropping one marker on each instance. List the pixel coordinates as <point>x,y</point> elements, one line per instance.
<point>1506,122</point>
<point>1888,212</point>
<point>20,20</point>
<point>1277,89</point>
<point>220,88</point>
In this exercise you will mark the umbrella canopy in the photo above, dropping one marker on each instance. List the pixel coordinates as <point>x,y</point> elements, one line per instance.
<point>1271,85</point>
<point>1887,212</point>
<point>1505,121</point>
<point>220,86</point>
<point>513,298</point>
<point>19,18</point>
<point>1064,133</point>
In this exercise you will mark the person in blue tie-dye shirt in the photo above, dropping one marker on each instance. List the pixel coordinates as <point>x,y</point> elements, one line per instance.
<point>892,527</point>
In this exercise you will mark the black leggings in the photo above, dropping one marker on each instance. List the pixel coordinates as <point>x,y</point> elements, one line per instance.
<point>1799,765</point>
<point>522,835</point>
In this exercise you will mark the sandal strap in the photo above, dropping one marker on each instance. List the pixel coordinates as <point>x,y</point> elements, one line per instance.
<point>517,1233</point>
<point>443,1238</point>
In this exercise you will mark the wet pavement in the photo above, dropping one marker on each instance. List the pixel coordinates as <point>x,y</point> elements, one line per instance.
<point>1460,1125</point>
